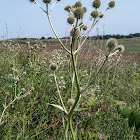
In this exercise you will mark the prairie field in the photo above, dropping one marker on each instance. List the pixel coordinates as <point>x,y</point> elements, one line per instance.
<point>28,90</point>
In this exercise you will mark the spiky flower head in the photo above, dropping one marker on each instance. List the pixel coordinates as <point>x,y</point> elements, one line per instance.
<point>101,15</point>
<point>71,102</point>
<point>32,88</point>
<point>47,1</point>
<point>13,69</point>
<point>94,13</point>
<point>81,24</point>
<point>111,43</point>
<point>23,90</point>
<point>84,9</point>
<point>84,28</point>
<point>24,73</point>
<point>74,32</point>
<point>67,8</point>
<point>96,3</point>
<point>78,13</point>
<point>10,75</point>
<point>70,19</point>
<point>77,4</point>
<point>111,4</point>
<point>31,0</point>
<point>120,48</point>
<point>28,44</point>
<point>16,79</point>
<point>53,67</point>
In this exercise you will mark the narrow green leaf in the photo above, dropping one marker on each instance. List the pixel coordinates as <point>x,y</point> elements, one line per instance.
<point>63,120</point>
<point>75,132</point>
<point>58,106</point>
<point>81,109</point>
<point>118,102</point>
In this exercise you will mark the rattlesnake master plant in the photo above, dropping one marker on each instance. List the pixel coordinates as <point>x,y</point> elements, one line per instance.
<point>75,18</point>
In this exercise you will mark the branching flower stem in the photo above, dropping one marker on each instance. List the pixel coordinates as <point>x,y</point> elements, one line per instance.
<point>47,12</point>
<point>53,6</point>
<point>16,97</point>
<point>91,81</point>
<point>55,32</point>
<point>87,34</point>
<point>5,109</point>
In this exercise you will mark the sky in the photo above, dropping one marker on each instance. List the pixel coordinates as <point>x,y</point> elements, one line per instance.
<point>21,18</point>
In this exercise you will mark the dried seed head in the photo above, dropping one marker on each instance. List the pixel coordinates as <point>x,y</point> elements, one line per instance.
<point>84,28</point>
<point>53,67</point>
<point>23,90</point>
<point>10,75</point>
<point>58,0</point>
<point>84,9</point>
<point>96,3</point>
<point>47,1</point>
<point>44,46</point>
<point>111,4</point>
<point>28,44</point>
<point>24,73</point>
<point>71,102</point>
<point>16,79</point>
<point>78,13</point>
<point>95,13</point>
<point>67,8</point>
<point>74,32</point>
<point>70,19</point>
<point>77,4</point>
<point>111,43</point>
<point>120,48</point>
<point>13,69</point>
<point>32,88</point>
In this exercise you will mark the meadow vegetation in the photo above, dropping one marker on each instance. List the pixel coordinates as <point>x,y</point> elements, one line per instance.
<point>51,92</point>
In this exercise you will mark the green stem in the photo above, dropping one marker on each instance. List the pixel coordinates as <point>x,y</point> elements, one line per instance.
<point>47,12</point>
<point>72,50</point>
<point>71,128</point>
<point>77,84</point>
<point>66,130</point>
<point>5,109</point>
<point>73,78</point>
<point>55,32</point>
<point>59,94</point>
<point>91,81</point>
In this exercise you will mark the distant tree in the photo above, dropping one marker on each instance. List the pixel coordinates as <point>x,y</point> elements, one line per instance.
<point>49,37</point>
<point>118,36</point>
<point>43,37</point>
